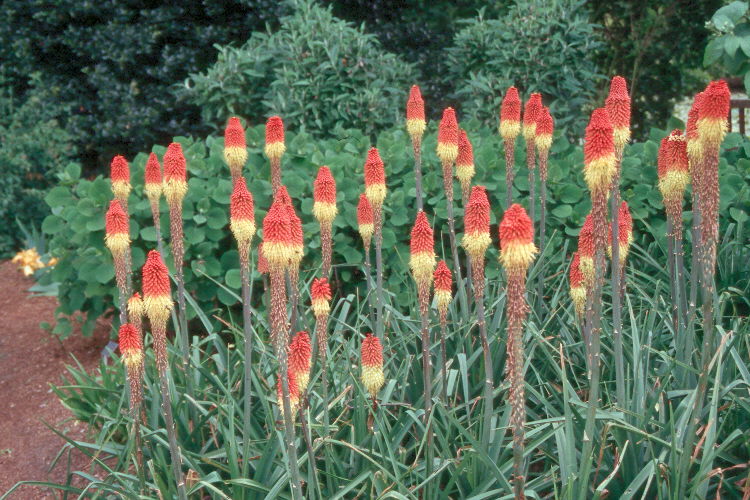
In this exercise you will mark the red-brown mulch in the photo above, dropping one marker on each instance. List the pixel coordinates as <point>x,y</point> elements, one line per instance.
<point>30,360</point>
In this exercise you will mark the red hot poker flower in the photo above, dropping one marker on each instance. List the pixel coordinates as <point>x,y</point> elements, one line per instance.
<point>117,229</point>
<point>157,295</point>
<point>119,174</point>
<point>365,219</point>
<point>545,127</point>
<point>235,146</point>
<point>476,238</point>
<point>275,147</point>
<point>293,393</point>
<point>510,115</point>
<point>586,249</point>
<point>375,187</point>
<point>242,213</point>
<point>673,168</point>
<point>130,344</point>
<point>712,114</point>
<point>300,356</point>
<point>577,285</point>
<point>324,196</point>
<point>599,152</point>
<point>372,364</point>
<point>175,174</point>
<point>447,145</point>
<point>464,161</point>
<point>625,231</point>
<point>152,177</point>
<point>277,236</point>
<point>530,115</point>
<point>618,109</point>
<point>320,292</point>
<point>517,248</point>
<point>422,259</point>
<point>443,286</point>
<point>415,119</point>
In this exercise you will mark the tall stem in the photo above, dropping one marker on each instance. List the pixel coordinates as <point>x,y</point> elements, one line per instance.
<point>275,173</point>
<point>443,359</point>
<point>516,313</point>
<point>248,365</point>
<point>531,164</point>
<point>509,146</point>
<point>448,187</point>
<point>542,221</point>
<point>417,147</point>
<point>477,277</point>
<point>174,450</point>
<point>370,284</point>
<point>326,245</point>
<point>616,303</point>
<point>424,304</point>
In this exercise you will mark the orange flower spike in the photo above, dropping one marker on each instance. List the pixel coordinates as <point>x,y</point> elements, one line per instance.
<point>375,187</point>
<point>712,121</point>
<point>586,249</point>
<point>625,231</point>
<point>517,249</point>
<point>373,377</point>
<point>275,146</point>
<point>119,174</point>
<point>464,162</point>
<point>545,127</point>
<point>476,237</point>
<point>324,196</point>
<point>293,393</point>
<point>443,287</point>
<point>510,115</point>
<point>235,146</point>
<point>242,214</point>
<point>277,236</point>
<point>530,116</point>
<point>157,295</point>
<point>131,346</point>
<point>447,143</point>
<point>175,174</point>
<point>295,226</point>
<point>673,168</point>
<point>599,152</point>
<point>117,229</point>
<point>152,179</point>
<point>300,356</point>
<point>320,291</point>
<point>694,146</point>
<point>577,285</point>
<point>365,219</point>
<point>415,118</point>
<point>618,109</point>
<point>422,245</point>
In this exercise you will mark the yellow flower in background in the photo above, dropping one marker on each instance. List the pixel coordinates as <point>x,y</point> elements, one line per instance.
<point>29,261</point>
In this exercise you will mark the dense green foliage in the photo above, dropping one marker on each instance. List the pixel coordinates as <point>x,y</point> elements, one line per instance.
<point>730,44</point>
<point>33,150</point>
<point>657,45</point>
<point>381,454</point>
<point>316,71</point>
<point>111,63</point>
<point>87,279</point>
<point>538,46</point>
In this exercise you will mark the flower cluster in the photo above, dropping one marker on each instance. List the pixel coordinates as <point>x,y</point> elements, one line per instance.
<point>175,174</point>
<point>510,115</point>
<point>422,258</point>
<point>373,377</point>
<point>415,119</point>
<point>517,249</point>
<point>476,237</point>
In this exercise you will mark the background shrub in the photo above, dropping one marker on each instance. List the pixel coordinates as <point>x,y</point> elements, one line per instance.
<point>76,228</point>
<point>538,45</point>
<point>316,71</point>
<point>34,149</point>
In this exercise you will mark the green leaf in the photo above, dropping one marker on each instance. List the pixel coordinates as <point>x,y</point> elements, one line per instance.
<point>714,50</point>
<point>58,196</point>
<point>233,279</point>
<point>52,224</point>
<point>570,193</point>
<point>563,211</point>
<point>738,215</point>
<point>731,44</point>
<point>726,17</point>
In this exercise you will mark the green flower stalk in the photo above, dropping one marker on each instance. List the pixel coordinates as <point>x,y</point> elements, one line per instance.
<point>376,190</point>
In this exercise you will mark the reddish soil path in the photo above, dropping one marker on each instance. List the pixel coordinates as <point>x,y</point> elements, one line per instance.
<point>30,360</point>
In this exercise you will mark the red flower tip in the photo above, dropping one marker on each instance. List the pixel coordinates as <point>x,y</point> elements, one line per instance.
<point>116,220</point>
<point>119,170</point>
<point>300,354</point>
<point>155,276</point>
<point>422,238</point>
<point>532,109</point>
<point>241,206</point>
<point>624,224</point>
<point>374,168</point>
<point>153,170</point>
<point>274,130</point>
<point>618,103</point>
<point>320,289</point>
<point>545,125</point>
<point>714,104</point>
<point>516,226</point>
<point>234,134</point>
<point>692,121</point>
<point>576,276</point>
<point>282,196</point>
<point>477,213</point>
<point>598,141</point>
<point>586,238</point>
<point>372,351</point>
<point>448,128</point>
<point>510,109</point>
<point>128,339</point>
<point>276,224</point>
<point>364,211</point>
<point>465,150</point>
<point>175,166</point>
<point>324,187</point>
<point>415,105</point>
<point>443,277</point>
